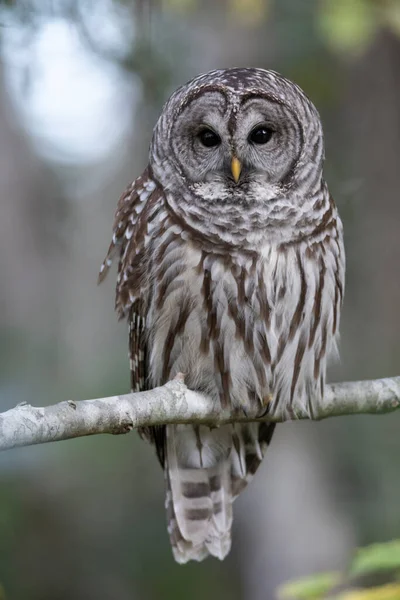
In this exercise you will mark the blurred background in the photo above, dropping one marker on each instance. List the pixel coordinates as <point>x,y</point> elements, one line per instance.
<point>81,85</point>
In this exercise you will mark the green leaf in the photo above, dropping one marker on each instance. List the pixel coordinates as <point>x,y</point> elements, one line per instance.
<point>390,591</point>
<point>309,588</point>
<point>375,558</point>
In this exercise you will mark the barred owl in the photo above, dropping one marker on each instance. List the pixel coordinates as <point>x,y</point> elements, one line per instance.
<point>231,271</point>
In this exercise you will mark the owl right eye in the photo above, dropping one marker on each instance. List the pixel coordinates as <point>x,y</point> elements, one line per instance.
<point>209,138</point>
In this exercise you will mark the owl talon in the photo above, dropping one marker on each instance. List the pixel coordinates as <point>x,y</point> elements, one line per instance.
<point>240,412</point>
<point>263,413</point>
<point>266,400</point>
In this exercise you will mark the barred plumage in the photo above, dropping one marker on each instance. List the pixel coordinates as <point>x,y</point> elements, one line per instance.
<point>233,278</point>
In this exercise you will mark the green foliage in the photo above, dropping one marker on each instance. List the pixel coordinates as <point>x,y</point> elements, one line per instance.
<point>377,557</point>
<point>309,588</point>
<point>383,592</point>
<point>374,574</point>
<point>348,27</point>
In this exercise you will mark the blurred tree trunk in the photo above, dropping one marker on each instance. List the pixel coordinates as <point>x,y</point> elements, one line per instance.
<point>32,213</point>
<point>370,130</point>
<point>289,523</point>
<point>372,127</point>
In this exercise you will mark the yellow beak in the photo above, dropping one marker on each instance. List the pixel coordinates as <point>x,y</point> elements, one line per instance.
<point>236,168</point>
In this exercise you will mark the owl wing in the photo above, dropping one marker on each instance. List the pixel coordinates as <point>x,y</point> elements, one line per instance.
<point>129,230</point>
<point>138,357</point>
<point>137,207</point>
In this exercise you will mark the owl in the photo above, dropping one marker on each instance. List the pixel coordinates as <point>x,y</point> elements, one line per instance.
<point>231,271</point>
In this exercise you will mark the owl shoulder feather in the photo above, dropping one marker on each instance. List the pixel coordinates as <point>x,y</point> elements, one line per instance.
<point>130,206</point>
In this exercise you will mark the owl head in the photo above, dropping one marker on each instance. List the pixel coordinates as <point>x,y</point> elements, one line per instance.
<point>238,136</point>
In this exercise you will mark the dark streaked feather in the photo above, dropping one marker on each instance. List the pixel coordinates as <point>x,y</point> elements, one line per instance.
<point>130,228</point>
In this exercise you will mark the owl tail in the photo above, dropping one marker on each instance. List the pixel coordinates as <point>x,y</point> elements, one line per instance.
<point>205,470</point>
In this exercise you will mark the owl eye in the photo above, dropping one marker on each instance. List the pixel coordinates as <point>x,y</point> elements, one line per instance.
<point>209,138</point>
<point>260,135</point>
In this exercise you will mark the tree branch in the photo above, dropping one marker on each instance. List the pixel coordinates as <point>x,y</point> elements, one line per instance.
<point>174,403</point>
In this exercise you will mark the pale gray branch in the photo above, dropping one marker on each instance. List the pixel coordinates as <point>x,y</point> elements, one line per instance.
<point>174,403</point>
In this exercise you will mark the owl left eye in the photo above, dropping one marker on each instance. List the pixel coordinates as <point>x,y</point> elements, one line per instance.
<point>209,138</point>
<point>260,135</point>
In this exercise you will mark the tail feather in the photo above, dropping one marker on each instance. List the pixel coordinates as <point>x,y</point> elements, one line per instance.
<point>220,543</point>
<point>199,502</point>
<point>183,549</point>
<point>205,470</point>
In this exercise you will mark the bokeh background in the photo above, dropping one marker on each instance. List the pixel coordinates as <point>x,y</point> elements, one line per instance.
<point>81,84</point>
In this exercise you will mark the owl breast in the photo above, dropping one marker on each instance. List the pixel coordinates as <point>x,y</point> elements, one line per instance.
<point>249,329</point>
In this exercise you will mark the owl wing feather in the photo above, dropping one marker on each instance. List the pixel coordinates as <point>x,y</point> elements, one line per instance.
<point>135,208</point>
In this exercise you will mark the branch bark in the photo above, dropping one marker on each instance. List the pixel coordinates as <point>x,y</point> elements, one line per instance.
<point>174,403</point>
